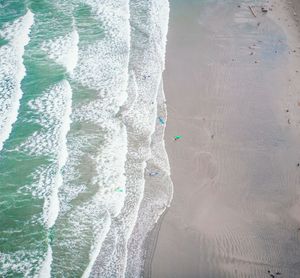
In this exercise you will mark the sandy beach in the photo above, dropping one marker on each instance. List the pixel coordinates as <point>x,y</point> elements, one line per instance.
<point>233,93</point>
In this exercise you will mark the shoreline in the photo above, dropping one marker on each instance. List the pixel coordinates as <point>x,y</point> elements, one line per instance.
<point>150,246</point>
<point>158,189</point>
<point>145,195</point>
<point>157,264</point>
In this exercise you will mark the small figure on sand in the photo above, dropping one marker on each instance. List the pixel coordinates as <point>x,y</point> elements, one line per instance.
<point>161,120</point>
<point>146,76</point>
<point>153,174</point>
<point>177,137</point>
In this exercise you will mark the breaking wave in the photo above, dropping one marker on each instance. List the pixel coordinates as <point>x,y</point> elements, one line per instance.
<point>12,71</point>
<point>64,50</point>
<point>94,134</point>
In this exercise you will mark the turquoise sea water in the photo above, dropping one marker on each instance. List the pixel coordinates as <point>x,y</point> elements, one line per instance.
<point>75,77</point>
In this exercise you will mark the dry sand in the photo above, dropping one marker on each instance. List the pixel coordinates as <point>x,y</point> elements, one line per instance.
<point>232,91</point>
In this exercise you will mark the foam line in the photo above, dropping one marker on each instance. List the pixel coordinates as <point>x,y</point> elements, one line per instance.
<point>12,71</point>
<point>64,50</point>
<point>45,271</point>
<point>54,108</point>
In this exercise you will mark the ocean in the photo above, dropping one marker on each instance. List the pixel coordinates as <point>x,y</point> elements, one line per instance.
<point>84,175</point>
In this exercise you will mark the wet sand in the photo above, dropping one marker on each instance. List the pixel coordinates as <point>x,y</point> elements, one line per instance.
<point>232,87</point>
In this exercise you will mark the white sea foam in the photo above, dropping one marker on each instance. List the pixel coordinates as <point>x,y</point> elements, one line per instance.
<point>107,161</point>
<point>149,21</point>
<point>158,192</point>
<point>103,69</point>
<point>64,50</point>
<point>157,196</point>
<point>23,262</point>
<point>99,146</point>
<point>45,270</point>
<point>53,109</point>
<point>12,71</point>
<point>96,249</point>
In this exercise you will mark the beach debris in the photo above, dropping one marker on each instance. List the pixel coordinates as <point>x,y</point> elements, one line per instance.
<point>153,174</point>
<point>161,120</point>
<point>287,110</point>
<point>252,11</point>
<point>264,9</point>
<point>289,121</point>
<point>177,137</point>
<point>298,164</point>
<point>273,275</point>
<point>119,189</point>
<point>238,6</point>
<point>146,76</point>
